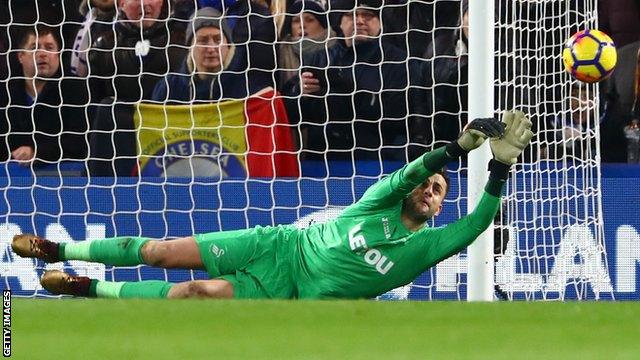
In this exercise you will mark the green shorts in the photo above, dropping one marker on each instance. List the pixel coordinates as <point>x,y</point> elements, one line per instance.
<point>256,261</point>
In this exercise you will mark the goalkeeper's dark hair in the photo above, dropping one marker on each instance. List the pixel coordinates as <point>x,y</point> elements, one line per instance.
<point>447,180</point>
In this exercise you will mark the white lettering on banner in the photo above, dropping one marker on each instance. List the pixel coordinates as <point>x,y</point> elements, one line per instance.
<point>24,269</point>
<point>15,266</point>
<point>447,273</point>
<point>319,217</point>
<point>627,258</point>
<point>180,151</point>
<point>507,276</point>
<point>578,241</point>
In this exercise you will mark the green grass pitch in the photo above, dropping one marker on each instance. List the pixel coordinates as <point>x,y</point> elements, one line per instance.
<point>201,329</point>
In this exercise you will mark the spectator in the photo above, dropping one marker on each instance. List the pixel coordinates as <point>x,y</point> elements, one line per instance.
<point>447,76</point>
<point>411,25</point>
<point>99,16</point>
<point>62,13</point>
<point>255,27</point>
<point>143,48</point>
<point>620,19</point>
<point>21,15</point>
<point>570,130</point>
<point>447,67</point>
<point>364,115</point>
<point>212,71</point>
<point>304,32</point>
<point>243,13</point>
<point>428,19</point>
<point>619,94</point>
<point>209,71</point>
<point>45,115</point>
<point>183,10</point>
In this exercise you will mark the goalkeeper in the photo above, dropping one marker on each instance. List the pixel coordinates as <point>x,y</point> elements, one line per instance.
<point>377,244</point>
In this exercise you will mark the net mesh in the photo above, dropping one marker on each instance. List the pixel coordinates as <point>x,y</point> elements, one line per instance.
<point>549,236</point>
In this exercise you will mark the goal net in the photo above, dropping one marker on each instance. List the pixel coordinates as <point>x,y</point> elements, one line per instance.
<point>253,159</point>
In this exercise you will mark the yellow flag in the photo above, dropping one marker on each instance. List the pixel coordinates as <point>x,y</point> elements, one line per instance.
<point>192,140</point>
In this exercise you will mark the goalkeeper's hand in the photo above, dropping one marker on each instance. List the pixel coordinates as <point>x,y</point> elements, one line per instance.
<point>477,131</point>
<point>517,136</point>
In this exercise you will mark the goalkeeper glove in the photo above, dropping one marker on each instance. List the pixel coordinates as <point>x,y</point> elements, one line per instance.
<point>477,131</point>
<point>517,136</point>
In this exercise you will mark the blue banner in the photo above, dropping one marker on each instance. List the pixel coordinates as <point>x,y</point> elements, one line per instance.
<point>75,208</point>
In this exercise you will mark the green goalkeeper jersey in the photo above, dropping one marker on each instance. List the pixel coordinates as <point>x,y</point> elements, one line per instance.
<point>367,250</point>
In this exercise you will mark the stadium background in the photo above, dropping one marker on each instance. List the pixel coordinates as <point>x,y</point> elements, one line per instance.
<point>82,207</point>
<point>69,209</point>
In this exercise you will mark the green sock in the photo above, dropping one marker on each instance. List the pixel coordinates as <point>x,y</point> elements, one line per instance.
<point>118,251</point>
<point>148,289</point>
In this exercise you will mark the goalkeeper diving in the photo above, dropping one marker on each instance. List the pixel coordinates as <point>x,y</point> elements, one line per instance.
<point>377,244</point>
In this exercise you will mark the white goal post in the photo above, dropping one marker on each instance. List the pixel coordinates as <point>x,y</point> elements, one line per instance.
<point>481,88</point>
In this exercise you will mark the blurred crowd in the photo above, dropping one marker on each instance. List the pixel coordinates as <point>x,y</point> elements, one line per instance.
<point>361,79</point>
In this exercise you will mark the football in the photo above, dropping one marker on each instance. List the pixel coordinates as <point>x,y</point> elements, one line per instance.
<point>589,56</point>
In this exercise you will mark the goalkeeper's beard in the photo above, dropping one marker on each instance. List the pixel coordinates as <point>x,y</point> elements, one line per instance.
<point>412,209</point>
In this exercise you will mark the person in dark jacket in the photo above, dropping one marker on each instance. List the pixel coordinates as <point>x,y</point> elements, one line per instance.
<point>304,32</point>
<point>143,48</point>
<point>43,114</point>
<point>124,67</point>
<point>253,25</point>
<point>211,71</point>
<point>367,86</point>
<point>620,19</point>
<point>202,78</point>
<point>99,17</point>
<point>447,67</point>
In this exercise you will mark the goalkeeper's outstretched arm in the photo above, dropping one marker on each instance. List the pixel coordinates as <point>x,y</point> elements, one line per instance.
<point>451,239</point>
<point>400,183</point>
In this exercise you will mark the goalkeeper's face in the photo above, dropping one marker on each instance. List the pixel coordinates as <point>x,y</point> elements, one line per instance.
<point>425,201</point>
